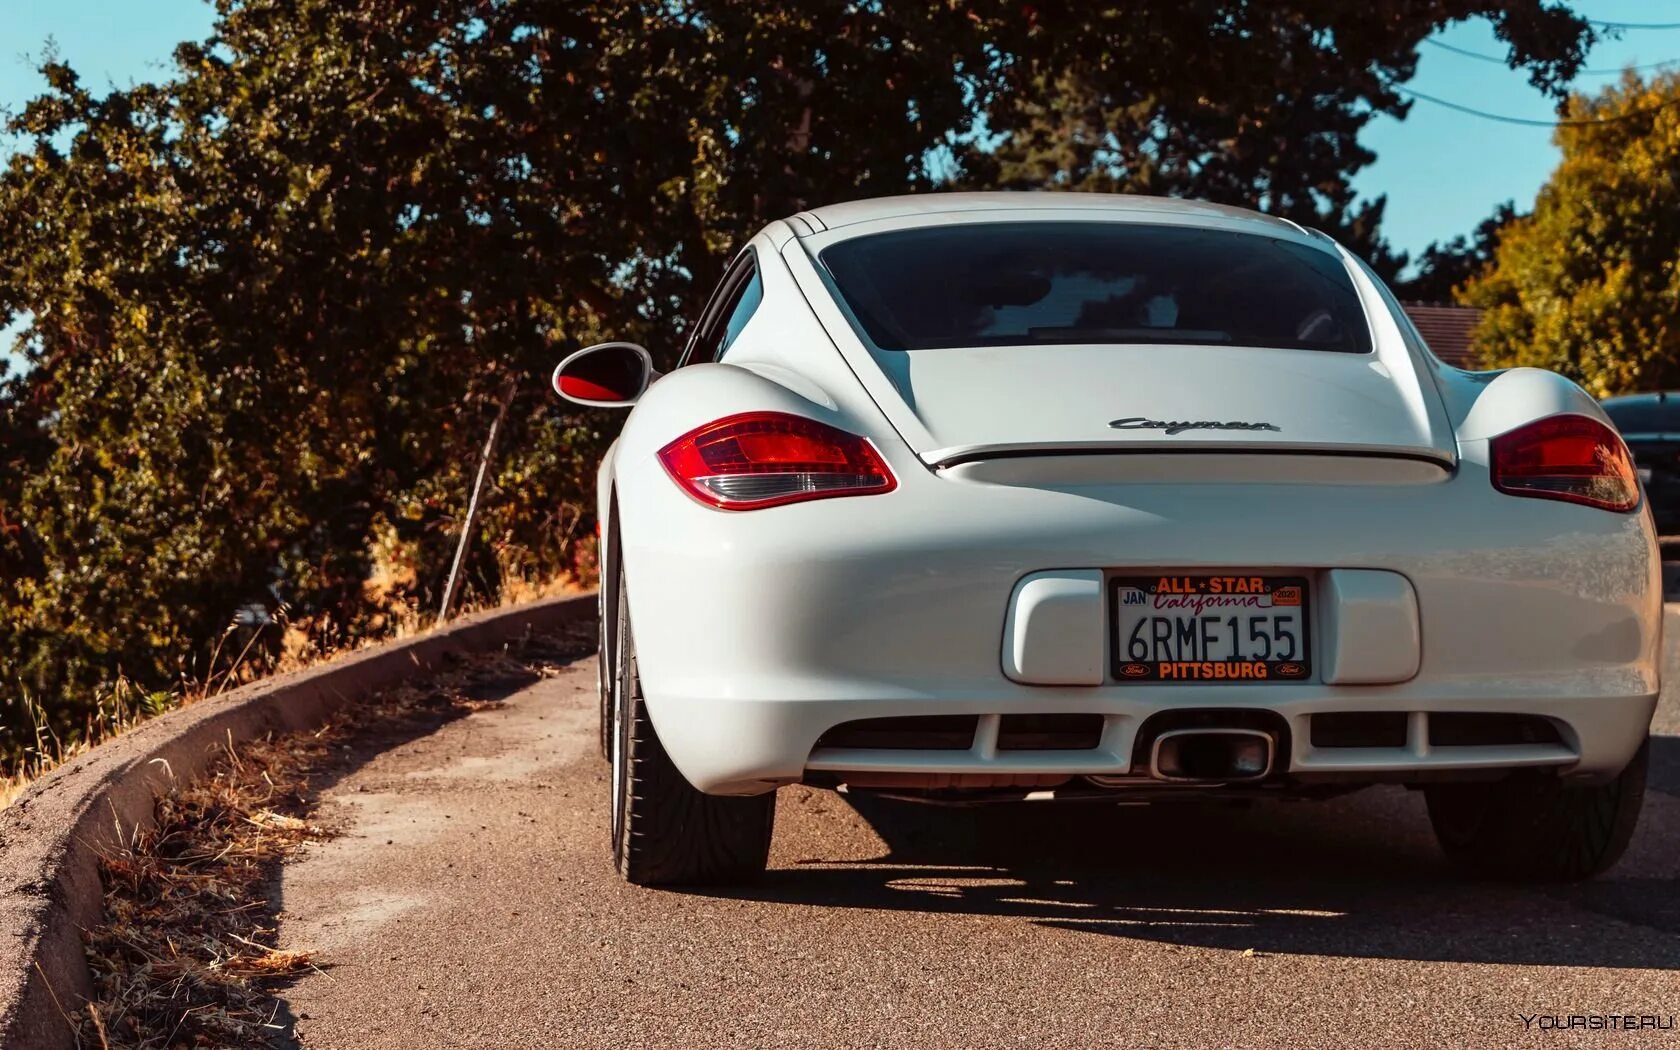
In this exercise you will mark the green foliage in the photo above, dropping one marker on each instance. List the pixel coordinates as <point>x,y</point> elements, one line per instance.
<point>1589,284</point>
<point>1445,268</point>
<point>1258,105</point>
<point>273,297</point>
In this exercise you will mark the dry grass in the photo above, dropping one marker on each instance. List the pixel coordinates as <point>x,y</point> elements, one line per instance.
<point>118,710</point>
<point>188,954</point>
<point>188,942</point>
<point>519,591</point>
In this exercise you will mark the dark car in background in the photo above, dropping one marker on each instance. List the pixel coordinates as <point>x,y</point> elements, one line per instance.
<point>1650,424</point>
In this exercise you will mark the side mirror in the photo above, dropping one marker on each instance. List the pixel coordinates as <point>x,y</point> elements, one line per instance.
<point>606,375</point>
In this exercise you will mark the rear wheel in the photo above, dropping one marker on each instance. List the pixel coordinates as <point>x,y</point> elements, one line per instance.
<point>1539,829</point>
<point>664,832</point>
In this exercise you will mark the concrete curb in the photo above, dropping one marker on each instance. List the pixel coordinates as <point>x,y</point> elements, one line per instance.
<point>51,837</point>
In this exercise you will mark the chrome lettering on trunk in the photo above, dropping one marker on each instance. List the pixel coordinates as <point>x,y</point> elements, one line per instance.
<point>1179,426</point>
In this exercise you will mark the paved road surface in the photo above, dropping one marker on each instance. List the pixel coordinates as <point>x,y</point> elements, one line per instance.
<point>471,904</point>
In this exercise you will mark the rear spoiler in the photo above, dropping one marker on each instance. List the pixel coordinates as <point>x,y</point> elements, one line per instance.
<point>955,456</point>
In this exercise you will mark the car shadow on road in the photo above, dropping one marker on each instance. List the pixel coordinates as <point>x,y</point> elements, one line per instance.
<point>1357,877</point>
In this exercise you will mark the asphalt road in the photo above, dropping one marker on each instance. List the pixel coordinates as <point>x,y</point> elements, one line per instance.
<point>470,903</point>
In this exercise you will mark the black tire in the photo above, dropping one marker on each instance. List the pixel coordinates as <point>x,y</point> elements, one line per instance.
<point>1532,828</point>
<point>664,832</point>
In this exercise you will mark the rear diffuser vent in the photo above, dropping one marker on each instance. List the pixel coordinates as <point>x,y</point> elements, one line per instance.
<point>1359,729</point>
<point>906,733</point>
<point>1482,730</point>
<point>1049,732</point>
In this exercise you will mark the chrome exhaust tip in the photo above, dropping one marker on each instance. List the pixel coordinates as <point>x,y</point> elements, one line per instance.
<point>1226,756</point>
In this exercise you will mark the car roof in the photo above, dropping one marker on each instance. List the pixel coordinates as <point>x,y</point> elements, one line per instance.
<point>1023,203</point>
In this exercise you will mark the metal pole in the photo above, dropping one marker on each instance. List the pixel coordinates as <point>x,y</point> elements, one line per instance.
<point>461,547</point>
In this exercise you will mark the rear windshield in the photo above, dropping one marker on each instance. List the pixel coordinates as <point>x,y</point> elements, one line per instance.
<point>1645,415</point>
<point>1013,284</point>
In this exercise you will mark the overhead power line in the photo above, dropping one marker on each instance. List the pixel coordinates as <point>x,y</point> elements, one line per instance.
<point>1481,56</point>
<point>1525,121</point>
<point>1633,25</point>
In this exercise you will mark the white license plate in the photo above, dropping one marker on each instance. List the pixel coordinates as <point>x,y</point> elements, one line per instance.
<point>1197,628</point>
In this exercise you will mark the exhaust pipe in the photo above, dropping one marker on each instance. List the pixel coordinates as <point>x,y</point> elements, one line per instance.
<point>1212,755</point>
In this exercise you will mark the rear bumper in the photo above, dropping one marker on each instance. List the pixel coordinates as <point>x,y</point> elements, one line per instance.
<point>748,746</point>
<point>758,632</point>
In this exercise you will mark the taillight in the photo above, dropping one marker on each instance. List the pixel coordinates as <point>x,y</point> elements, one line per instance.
<point>1571,458</point>
<point>764,459</point>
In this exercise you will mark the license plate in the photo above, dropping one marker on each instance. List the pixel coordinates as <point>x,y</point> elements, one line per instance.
<point>1182,628</point>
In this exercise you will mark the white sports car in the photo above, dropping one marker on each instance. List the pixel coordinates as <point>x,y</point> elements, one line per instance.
<point>1052,496</point>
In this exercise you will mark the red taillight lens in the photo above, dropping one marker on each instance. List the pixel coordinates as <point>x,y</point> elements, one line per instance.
<point>1571,458</point>
<point>764,459</point>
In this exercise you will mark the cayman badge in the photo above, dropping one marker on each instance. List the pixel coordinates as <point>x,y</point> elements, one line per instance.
<point>1179,426</point>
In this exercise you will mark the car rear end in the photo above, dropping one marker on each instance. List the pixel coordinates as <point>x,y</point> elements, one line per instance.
<point>1139,541</point>
<point>996,605</point>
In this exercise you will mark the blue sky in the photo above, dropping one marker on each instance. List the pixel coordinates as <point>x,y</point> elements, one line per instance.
<point>1442,171</point>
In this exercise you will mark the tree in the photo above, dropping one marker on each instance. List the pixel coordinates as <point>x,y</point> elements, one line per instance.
<point>1445,268</point>
<point>1257,105</point>
<point>1589,283</point>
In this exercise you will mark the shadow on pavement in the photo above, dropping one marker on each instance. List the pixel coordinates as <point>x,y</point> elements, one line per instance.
<point>1358,877</point>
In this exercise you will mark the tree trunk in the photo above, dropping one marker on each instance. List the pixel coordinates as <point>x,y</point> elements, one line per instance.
<point>461,548</point>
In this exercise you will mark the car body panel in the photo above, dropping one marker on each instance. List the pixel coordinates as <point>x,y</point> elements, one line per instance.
<point>759,631</point>
<point>901,608</point>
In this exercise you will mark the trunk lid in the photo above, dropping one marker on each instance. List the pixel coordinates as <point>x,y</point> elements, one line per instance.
<point>966,404</point>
